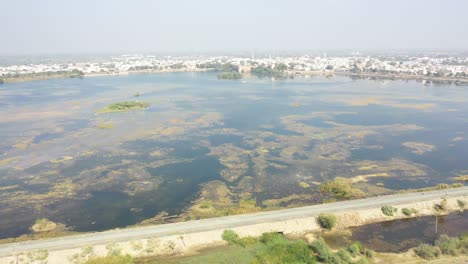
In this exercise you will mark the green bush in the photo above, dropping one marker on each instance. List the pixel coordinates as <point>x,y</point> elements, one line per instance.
<point>370,254</point>
<point>461,204</point>
<point>231,237</point>
<point>408,212</point>
<point>389,210</point>
<point>356,248</point>
<point>327,221</point>
<point>343,254</point>
<point>448,245</point>
<point>442,206</point>
<point>248,241</point>
<point>323,252</point>
<point>426,251</point>
<point>271,237</point>
<point>281,250</point>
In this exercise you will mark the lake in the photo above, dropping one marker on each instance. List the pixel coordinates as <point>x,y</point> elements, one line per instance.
<point>208,147</point>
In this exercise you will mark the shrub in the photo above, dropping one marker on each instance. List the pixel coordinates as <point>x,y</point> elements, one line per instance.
<point>426,251</point>
<point>448,245</point>
<point>233,239</point>
<point>271,237</point>
<point>205,204</point>
<point>284,251</point>
<point>111,260</point>
<point>327,221</point>
<point>113,249</point>
<point>463,244</point>
<point>389,210</point>
<point>408,212</point>
<point>442,206</point>
<point>356,248</point>
<point>248,241</point>
<point>324,252</point>
<point>461,204</point>
<point>343,254</point>
<point>38,255</point>
<point>370,254</point>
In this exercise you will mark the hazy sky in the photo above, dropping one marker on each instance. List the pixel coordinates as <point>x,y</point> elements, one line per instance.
<point>94,26</point>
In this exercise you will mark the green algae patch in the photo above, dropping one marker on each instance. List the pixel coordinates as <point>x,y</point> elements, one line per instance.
<point>123,107</point>
<point>106,125</point>
<point>7,160</point>
<point>418,147</point>
<point>63,159</point>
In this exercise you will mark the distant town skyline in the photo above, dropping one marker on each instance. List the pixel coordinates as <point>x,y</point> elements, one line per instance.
<point>53,26</point>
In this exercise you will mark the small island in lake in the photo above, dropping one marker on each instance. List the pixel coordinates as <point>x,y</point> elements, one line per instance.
<point>230,76</point>
<point>124,107</point>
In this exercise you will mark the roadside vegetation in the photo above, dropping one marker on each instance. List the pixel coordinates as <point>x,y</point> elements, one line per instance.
<point>445,245</point>
<point>442,206</point>
<point>389,210</point>
<point>408,211</point>
<point>327,221</point>
<point>111,260</point>
<point>124,107</point>
<point>276,248</point>
<point>461,204</point>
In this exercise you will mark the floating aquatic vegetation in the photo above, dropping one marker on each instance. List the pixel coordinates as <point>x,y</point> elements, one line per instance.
<point>62,159</point>
<point>8,160</point>
<point>288,200</point>
<point>105,125</point>
<point>419,147</point>
<point>341,188</point>
<point>365,177</point>
<point>123,107</point>
<point>392,167</point>
<point>234,159</point>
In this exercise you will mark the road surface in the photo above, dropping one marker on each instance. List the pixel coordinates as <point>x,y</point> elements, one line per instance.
<point>220,223</point>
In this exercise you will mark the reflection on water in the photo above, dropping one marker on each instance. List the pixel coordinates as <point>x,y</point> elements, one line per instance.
<point>268,142</point>
<point>401,235</point>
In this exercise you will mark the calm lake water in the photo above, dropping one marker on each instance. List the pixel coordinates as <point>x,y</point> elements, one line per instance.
<point>265,140</point>
<point>401,235</point>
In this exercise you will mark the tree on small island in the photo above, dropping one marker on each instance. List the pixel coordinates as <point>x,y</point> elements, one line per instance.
<point>279,71</point>
<point>230,75</point>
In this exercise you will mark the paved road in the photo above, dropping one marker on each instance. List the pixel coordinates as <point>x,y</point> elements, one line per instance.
<point>127,234</point>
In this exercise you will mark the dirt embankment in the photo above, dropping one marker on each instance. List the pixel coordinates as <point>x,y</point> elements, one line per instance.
<point>189,243</point>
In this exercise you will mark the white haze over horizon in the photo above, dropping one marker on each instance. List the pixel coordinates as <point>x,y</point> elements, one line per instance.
<point>118,26</point>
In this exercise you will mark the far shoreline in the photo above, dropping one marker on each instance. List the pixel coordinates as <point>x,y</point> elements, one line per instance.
<point>364,75</point>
